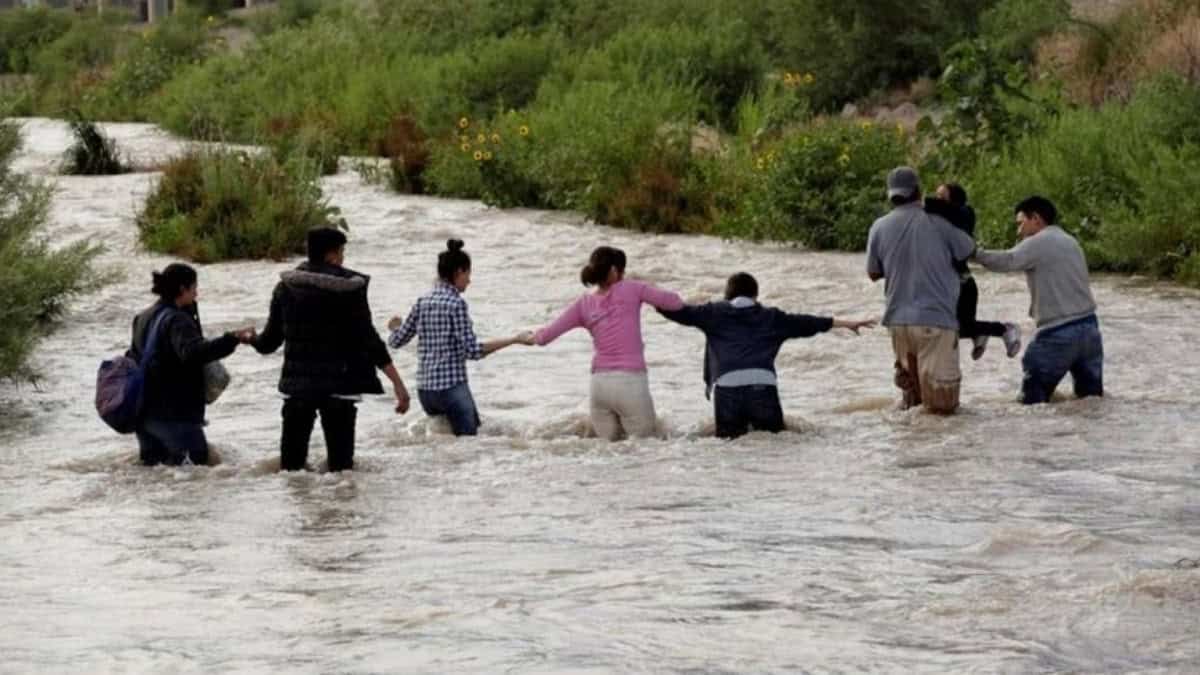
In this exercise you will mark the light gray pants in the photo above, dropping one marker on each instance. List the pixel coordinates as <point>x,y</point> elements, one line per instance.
<point>621,405</point>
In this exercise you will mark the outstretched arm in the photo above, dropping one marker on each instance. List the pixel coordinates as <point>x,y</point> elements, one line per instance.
<point>271,337</point>
<point>1021,257</point>
<point>571,318</point>
<point>697,316</point>
<point>853,325</point>
<point>404,331</point>
<point>659,298</point>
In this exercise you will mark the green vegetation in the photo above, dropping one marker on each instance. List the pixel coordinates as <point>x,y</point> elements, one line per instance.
<point>92,153</point>
<point>35,279</point>
<point>716,116</point>
<point>215,205</point>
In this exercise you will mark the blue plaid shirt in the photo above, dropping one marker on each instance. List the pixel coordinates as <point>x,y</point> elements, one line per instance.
<point>447,339</point>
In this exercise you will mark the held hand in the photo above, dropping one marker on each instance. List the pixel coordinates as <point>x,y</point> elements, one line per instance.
<point>395,322</point>
<point>524,338</point>
<point>246,335</point>
<point>402,400</point>
<point>856,325</point>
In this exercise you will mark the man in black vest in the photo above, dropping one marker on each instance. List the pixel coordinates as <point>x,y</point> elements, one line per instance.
<point>319,312</point>
<point>744,338</point>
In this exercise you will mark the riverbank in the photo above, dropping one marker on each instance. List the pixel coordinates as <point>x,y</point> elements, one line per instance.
<point>717,118</point>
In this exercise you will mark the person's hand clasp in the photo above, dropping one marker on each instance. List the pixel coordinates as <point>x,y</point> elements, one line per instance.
<point>246,335</point>
<point>395,322</point>
<point>525,338</point>
<point>402,399</point>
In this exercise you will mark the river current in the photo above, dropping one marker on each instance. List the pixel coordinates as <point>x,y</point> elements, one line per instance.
<point>1004,539</point>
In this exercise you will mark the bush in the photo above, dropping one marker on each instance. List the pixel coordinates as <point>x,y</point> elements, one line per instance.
<point>221,204</point>
<point>92,153</point>
<point>24,32</point>
<point>145,67</point>
<point>68,69</point>
<point>1124,179</point>
<point>822,187</point>
<point>36,281</point>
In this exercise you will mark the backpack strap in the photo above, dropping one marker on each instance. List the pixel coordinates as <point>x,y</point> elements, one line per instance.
<point>152,338</point>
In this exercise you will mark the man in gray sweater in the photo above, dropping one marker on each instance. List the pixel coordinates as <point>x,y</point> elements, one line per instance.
<point>1068,334</point>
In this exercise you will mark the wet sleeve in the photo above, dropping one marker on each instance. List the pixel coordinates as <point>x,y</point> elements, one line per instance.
<point>570,319</point>
<point>369,338</point>
<point>698,316</point>
<point>803,325</point>
<point>189,344</point>
<point>658,297</point>
<point>1021,257</point>
<point>874,263</point>
<point>961,244</point>
<point>465,331</point>
<point>407,330</point>
<point>271,336</point>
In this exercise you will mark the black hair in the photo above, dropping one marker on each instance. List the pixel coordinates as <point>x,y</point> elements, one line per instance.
<point>1040,206</point>
<point>603,259</point>
<point>322,240</point>
<point>172,280</point>
<point>741,285</point>
<point>958,195</point>
<point>901,200</point>
<point>453,260</point>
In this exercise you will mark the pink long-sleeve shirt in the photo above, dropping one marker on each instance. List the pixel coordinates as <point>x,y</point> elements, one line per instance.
<point>614,318</point>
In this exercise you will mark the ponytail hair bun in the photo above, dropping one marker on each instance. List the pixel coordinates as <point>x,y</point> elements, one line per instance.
<point>171,281</point>
<point>452,261</point>
<point>602,261</point>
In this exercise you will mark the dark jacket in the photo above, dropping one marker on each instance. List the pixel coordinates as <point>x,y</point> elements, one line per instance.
<point>962,218</point>
<point>175,376</point>
<point>321,316</point>
<point>746,337</point>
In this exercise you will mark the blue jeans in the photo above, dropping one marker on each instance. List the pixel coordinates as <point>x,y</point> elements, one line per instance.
<point>456,403</point>
<point>167,442</point>
<point>1074,348</point>
<point>738,409</point>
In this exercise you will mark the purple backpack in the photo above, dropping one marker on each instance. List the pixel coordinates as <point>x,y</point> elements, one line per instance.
<point>120,384</point>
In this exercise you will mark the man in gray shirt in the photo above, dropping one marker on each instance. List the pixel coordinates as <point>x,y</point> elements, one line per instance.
<point>914,252</point>
<point>1068,334</point>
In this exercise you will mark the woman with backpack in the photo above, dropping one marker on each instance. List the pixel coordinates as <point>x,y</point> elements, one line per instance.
<point>171,427</point>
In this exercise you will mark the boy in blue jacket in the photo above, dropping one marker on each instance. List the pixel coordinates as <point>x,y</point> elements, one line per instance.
<point>743,339</point>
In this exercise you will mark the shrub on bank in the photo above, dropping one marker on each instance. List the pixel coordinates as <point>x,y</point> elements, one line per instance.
<point>1124,178</point>
<point>822,186</point>
<point>222,204</point>
<point>36,280</point>
<point>24,32</point>
<point>92,153</point>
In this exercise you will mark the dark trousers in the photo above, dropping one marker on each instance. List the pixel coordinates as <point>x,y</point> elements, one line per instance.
<point>456,403</point>
<point>337,421</point>
<point>738,409</point>
<point>171,443</point>
<point>968,304</point>
<point>1076,348</point>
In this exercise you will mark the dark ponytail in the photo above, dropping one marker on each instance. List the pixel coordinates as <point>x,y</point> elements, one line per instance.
<point>603,260</point>
<point>170,282</point>
<point>453,260</point>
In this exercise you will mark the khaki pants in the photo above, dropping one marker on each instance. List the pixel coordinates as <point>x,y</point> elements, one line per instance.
<point>621,405</point>
<point>927,368</point>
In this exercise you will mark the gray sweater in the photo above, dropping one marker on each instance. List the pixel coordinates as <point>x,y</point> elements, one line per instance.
<point>1056,272</point>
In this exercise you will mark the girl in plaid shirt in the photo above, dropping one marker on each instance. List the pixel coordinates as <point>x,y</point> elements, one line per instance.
<point>446,339</point>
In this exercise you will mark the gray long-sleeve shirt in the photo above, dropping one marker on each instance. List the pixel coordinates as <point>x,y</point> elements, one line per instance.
<point>1056,271</point>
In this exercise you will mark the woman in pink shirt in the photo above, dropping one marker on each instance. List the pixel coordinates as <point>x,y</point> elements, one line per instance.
<point>620,390</point>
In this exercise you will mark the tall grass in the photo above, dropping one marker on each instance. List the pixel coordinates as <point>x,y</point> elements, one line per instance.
<point>36,279</point>
<point>222,204</point>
